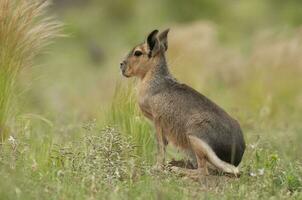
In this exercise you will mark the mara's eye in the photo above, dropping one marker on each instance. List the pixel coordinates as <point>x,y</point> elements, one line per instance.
<point>138,53</point>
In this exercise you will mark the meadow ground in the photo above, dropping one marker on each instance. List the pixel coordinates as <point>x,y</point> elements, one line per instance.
<point>79,134</point>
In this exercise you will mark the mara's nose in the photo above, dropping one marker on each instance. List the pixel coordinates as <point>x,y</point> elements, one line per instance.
<point>122,66</point>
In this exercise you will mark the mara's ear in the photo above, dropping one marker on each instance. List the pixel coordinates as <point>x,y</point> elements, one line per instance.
<point>163,38</point>
<point>153,43</point>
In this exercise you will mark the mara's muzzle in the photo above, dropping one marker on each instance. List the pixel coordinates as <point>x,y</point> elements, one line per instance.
<point>123,68</point>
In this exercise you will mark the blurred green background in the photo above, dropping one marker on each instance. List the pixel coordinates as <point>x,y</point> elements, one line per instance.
<point>225,39</point>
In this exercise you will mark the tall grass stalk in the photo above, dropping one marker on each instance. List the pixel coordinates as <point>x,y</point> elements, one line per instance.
<point>125,113</point>
<point>25,28</point>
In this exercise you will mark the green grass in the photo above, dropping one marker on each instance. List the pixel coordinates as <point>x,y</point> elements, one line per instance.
<point>125,114</point>
<point>43,161</point>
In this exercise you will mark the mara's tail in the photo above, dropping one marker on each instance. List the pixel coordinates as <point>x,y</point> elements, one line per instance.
<point>202,147</point>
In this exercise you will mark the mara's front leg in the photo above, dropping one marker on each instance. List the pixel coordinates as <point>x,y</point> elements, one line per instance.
<point>161,146</point>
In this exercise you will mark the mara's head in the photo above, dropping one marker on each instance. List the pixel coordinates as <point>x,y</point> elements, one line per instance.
<point>145,55</point>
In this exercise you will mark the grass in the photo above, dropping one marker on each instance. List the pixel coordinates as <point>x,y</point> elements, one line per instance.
<point>106,163</point>
<point>24,31</point>
<point>126,115</point>
<point>63,146</point>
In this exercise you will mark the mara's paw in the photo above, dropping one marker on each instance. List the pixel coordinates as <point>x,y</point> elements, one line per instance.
<point>158,167</point>
<point>234,172</point>
<point>182,172</point>
<point>175,169</point>
<point>187,164</point>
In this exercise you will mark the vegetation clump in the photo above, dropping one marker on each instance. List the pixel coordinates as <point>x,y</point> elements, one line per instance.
<point>101,157</point>
<point>25,29</point>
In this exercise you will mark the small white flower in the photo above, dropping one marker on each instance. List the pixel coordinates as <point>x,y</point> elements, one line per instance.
<point>261,172</point>
<point>253,174</point>
<point>60,173</point>
<point>11,139</point>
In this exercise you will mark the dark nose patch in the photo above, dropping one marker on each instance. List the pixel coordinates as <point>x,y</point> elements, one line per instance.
<point>123,66</point>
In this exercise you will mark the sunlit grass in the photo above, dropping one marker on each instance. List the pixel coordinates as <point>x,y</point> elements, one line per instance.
<point>25,29</point>
<point>125,114</point>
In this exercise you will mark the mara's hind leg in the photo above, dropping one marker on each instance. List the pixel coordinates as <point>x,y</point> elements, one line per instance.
<point>203,149</point>
<point>201,170</point>
<point>191,157</point>
<point>201,162</point>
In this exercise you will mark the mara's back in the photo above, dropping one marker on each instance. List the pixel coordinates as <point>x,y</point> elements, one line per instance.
<point>183,111</point>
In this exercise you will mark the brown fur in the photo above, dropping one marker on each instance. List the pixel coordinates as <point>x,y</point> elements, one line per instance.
<point>181,115</point>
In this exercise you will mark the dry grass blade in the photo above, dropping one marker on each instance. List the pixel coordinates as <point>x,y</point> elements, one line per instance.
<point>25,28</point>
